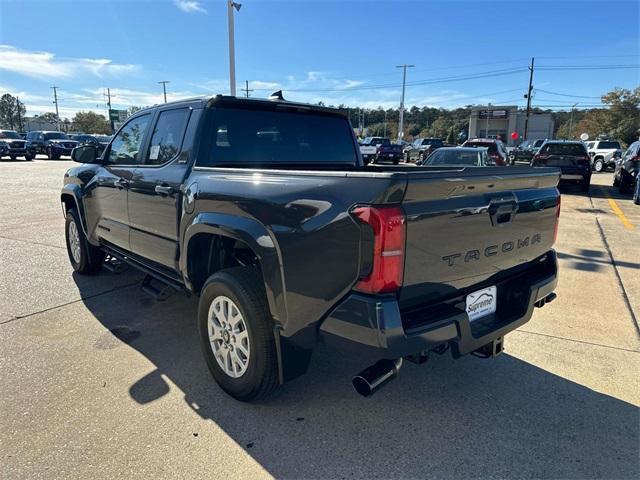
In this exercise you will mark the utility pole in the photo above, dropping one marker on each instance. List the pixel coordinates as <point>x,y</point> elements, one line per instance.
<point>246,89</point>
<point>385,124</point>
<point>486,125</point>
<point>232,52</point>
<point>404,81</point>
<point>571,121</point>
<point>55,100</point>
<point>528,96</point>
<point>19,116</point>
<point>109,109</point>
<point>164,88</point>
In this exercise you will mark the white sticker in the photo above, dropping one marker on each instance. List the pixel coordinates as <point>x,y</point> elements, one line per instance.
<point>154,152</point>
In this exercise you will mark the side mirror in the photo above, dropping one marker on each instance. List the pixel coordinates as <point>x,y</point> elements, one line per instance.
<point>85,154</point>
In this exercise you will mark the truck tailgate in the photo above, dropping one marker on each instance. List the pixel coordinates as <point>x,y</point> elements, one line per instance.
<point>469,226</point>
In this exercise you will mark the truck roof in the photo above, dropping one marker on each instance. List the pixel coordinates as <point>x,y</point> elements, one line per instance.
<point>230,101</point>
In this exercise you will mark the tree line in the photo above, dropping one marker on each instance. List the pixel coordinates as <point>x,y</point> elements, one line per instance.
<point>620,119</point>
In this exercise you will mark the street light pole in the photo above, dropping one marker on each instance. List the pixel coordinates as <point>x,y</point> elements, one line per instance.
<point>404,81</point>
<point>232,53</point>
<point>164,88</point>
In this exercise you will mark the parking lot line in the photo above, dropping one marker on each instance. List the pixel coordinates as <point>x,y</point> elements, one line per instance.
<point>616,209</point>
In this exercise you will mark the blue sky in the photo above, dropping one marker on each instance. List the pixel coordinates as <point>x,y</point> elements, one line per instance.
<point>336,52</point>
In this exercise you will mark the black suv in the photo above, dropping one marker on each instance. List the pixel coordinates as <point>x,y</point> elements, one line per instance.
<point>11,144</point>
<point>570,157</point>
<point>98,141</point>
<point>627,169</point>
<point>51,144</point>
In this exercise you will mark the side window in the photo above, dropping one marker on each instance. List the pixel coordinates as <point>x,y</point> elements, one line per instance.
<point>125,148</point>
<point>167,136</point>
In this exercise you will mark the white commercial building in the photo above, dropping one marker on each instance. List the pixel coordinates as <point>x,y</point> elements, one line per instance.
<point>502,121</point>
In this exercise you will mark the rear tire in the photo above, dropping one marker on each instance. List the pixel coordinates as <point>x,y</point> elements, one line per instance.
<point>584,185</point>
<point>624,186</point>
<point>85,258</point>
<point>244,377</point>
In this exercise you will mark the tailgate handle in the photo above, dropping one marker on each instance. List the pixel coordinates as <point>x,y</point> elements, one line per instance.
<point>502,212</point>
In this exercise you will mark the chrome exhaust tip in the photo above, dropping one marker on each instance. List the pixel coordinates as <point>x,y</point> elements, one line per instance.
<point>373,378</point>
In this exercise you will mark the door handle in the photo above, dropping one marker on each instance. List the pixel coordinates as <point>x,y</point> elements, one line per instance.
<point>122,183</point>
<point>164,189</point>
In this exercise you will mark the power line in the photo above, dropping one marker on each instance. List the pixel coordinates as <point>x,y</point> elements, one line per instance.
<point>587,67</point>
<point>565,94</point>
<point>473,76</point>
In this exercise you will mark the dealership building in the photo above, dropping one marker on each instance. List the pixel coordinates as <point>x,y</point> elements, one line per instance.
<point>502,121</point>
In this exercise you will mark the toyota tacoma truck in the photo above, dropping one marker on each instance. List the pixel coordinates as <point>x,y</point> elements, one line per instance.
<point>266,213</point>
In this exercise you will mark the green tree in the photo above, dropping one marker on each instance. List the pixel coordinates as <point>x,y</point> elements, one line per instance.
<point>12,112</point>
<point>90,122</point>
<point>52,118</point>
<point>133,109</point>
<point>622,118</point>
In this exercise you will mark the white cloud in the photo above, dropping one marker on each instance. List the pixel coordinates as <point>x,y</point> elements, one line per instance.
<point>46,64</point>
<point>189,6</point>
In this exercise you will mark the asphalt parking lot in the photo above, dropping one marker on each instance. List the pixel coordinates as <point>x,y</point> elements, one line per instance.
<point>100,381</point>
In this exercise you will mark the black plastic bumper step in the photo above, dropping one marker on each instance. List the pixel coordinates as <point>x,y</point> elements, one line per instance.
<point>155,288</point>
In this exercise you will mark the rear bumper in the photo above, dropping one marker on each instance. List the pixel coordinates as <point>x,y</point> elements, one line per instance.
<point>378,324</point>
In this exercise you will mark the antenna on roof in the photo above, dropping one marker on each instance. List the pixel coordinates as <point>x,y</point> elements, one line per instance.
<point>276,95</point>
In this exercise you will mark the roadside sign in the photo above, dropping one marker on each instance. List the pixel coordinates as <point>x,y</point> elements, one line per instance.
<point>117,115</point>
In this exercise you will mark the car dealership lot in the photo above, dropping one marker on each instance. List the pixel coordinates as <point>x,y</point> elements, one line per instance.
<point>98,380</point>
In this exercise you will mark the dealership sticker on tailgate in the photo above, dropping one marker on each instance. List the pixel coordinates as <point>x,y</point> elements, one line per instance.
<point>481,303</point>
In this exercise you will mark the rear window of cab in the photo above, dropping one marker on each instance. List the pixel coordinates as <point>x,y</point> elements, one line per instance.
<point>264,137</point>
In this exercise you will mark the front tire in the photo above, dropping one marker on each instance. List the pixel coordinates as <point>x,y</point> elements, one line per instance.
<point>51,155</point>
<point>598,165</point>
<point>85,258</point>
<point>636,193</point>
<point>236,333</point>
<point>28,157</point>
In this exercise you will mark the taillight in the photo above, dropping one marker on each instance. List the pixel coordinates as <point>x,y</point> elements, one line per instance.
<point>387,270</point>
<point>555,228</point>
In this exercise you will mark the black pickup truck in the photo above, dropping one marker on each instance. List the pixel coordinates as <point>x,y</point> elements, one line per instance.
<point>266,212</point>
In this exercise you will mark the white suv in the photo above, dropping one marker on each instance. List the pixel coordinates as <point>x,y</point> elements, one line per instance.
<point>603,153</point>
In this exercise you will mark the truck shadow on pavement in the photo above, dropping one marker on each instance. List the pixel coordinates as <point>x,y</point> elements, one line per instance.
<point>465,418</point>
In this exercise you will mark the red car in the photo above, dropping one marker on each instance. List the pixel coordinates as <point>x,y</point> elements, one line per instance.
<point>495,149</point>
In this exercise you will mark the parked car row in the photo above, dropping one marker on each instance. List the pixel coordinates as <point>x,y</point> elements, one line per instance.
<point>49,143</point>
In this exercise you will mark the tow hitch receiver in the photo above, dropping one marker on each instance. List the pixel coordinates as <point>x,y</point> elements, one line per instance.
<point>491,349</point>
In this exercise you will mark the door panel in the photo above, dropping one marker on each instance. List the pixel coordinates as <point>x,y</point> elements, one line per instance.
<point>106,205</point>
<point>154,196</point>
<point>107,201</point>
